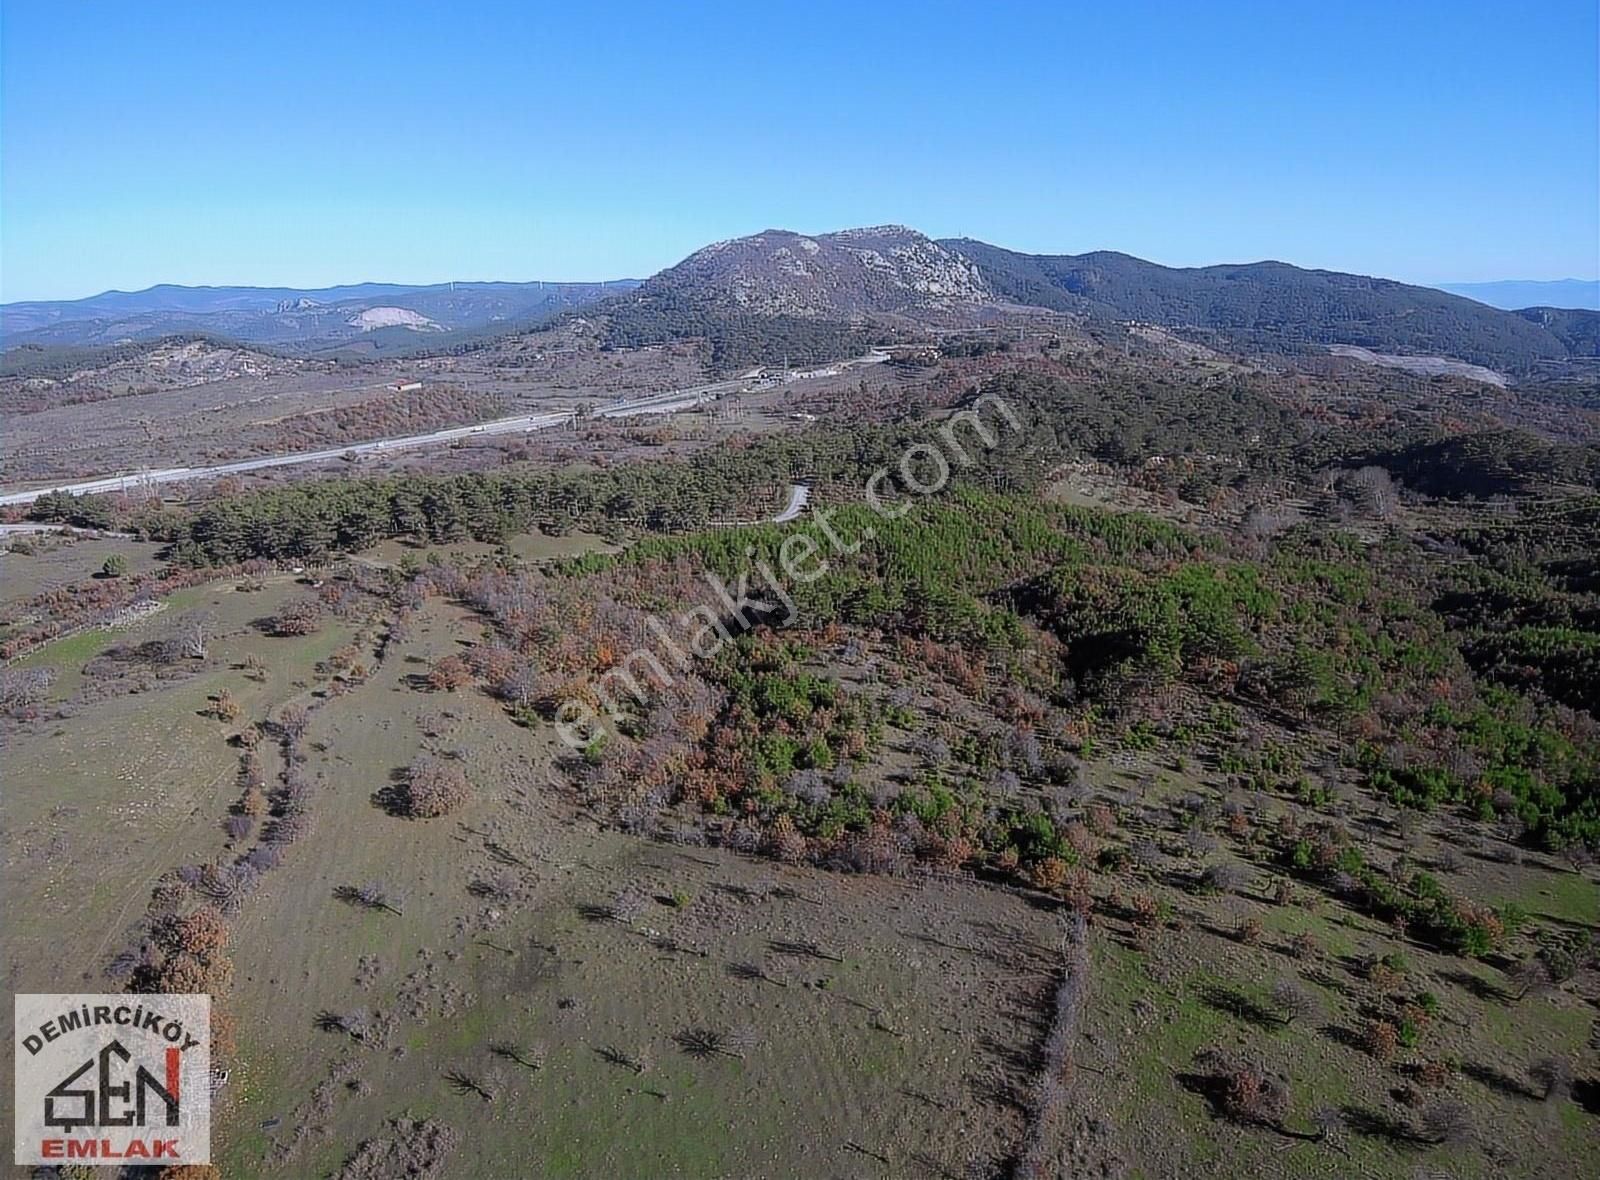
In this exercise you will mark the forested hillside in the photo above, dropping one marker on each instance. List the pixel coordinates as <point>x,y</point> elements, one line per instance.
<point>1272,305</point>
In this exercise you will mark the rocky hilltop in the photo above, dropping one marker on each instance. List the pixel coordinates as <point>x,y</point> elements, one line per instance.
<point>853,272</point>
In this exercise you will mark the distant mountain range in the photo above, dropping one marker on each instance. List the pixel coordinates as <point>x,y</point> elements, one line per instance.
<point>1512,294</point>
<point>781,293</point>
<point>371,318</point>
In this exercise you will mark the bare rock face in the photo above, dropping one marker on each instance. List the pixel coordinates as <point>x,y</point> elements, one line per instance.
<point>854,272</point>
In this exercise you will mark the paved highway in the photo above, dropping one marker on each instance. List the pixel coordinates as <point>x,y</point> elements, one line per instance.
<point>669,402</point>
<point>659,403</point>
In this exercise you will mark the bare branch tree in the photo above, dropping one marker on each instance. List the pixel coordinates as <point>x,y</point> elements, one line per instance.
<point>371,896</point>
<point>527,1056</point>
<point>465,1083</point>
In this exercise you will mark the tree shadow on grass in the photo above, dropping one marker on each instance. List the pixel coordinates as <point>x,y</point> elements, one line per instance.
<point>997,1090</point>
<point>1477,987</point>
<point>1586,1094</point>
<point>1498,1080</point>
<point>1376,1125</point>
<point>1233,1002</point>
<point>1208,1086</point>
<point>392,800</point>
<point>1340,1035</point>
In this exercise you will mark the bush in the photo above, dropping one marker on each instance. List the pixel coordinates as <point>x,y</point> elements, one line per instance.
<point>1050,874</point>
<point>1242,1090</point>
<point>1226,877</point>
<point>1380,1039</point>
<point>1444,1121</point>
<point>1552,1076</point>
<point>1408,1033</point>
<point>293,721</point>
<point>433,788</point>
<point>302,617</point>
<point>449,674</point>
<point>1255,1096</point>
<point>202,933</point>
<point>238,827</point>
<point>1293,1001</point>
<point>115,566</point>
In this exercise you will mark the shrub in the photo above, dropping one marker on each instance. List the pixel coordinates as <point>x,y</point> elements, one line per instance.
<point>238,826</point>
<point>1444,1121</point>
<point>302,617</point>
<point>1100,819</point>
<point>433,788</point>
<point>1242,1090</point>
<point>1407,1032</point>
<point>202,932</point>
<point>785,841</point>
<point>449,674</point>
<point>1252,1095</point>
<point>289,827</point>
<point>1293,1001</point>
<point>1380,1039</point>
<point>225,706</point>
<point>1077,836</point>
<point>1050,874</point>
<point>1226,877</point>
<point>293,721</point>
<point>1433,1075</point>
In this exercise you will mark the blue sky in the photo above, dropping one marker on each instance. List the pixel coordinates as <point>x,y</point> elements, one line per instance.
<point>305,144</point>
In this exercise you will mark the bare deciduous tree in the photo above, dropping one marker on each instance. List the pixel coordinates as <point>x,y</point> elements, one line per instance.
<point>527,1056</point>
<point>1447,1121</point>
<point>1293,1001</point>
<point>371,896</point>
<point>1553,1076</point>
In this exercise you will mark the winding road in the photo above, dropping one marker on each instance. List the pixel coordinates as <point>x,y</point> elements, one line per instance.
<point>798,495</point>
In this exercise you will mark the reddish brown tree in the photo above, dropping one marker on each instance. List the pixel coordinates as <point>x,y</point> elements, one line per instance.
<point>434,787</point>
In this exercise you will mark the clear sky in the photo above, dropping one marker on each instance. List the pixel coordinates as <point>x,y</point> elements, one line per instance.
<point>304,144</point>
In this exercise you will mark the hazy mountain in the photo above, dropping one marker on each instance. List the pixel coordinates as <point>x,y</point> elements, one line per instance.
<point>1514,294</point>
<point>810,297</point>
<point>380,316</point>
